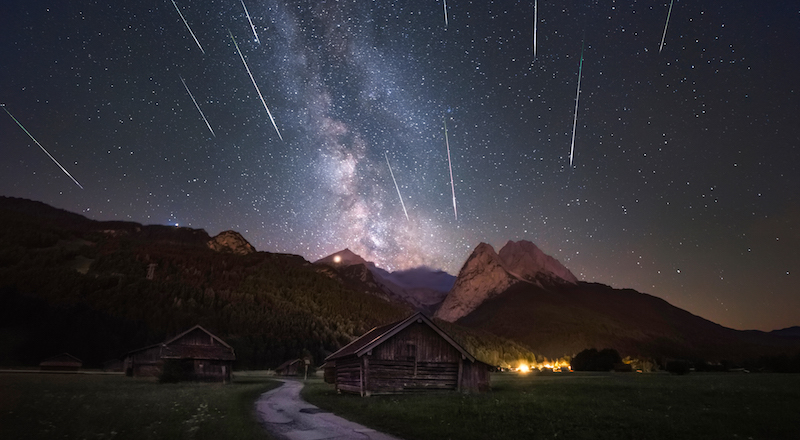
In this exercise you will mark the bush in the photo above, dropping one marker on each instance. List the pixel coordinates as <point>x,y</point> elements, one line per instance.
<point>678,367</point>
<point>593,360</point>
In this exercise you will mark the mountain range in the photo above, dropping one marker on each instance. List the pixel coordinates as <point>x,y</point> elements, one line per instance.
<point>98,289</point>
<point>527,296</point>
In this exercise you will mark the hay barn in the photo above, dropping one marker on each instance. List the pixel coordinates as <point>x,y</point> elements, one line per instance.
<point>61,362</point>
<point>197,353</point>
<point>412,355</point>
<point>293,367</point>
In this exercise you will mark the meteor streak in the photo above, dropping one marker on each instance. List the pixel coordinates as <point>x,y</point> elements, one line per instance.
<point>251,22</point>
<point>535,23</point>
<point>450,165</point>
<point>665,26</point>
<point>445,12</point>
<point>395,185</point>
<point>197,105</point>
<point>187,27</point>
<point>255,85</point>
<point>40,146</point>
<point>575,121</point>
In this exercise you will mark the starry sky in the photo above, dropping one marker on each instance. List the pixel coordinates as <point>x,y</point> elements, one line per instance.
<point>684,180</point>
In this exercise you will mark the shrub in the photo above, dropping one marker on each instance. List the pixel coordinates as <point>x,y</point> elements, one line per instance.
<point>593,360</point>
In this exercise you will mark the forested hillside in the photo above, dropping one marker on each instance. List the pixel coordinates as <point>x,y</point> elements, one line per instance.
<point>70,284</point>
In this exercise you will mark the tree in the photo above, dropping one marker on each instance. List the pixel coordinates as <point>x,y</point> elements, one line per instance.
<point>593,360</point>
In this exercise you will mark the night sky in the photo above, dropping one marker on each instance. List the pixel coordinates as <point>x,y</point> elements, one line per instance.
<point>684,180</point>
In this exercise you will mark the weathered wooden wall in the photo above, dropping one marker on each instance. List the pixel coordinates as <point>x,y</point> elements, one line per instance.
<point>349,375</point>
<point>474,377</point>
<point>211,370</point>
<point>394,376</point>
<point>419,341</point>
<point>416,359</point>
<point>144,363</point>
<point>196,337</point>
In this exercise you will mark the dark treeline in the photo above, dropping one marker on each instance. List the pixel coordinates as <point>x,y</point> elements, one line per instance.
<point>269,307</point>
<point>69,284</point>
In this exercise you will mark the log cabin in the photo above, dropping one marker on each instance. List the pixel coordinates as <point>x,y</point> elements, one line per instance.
<point>196,353</point>
<point>412,355</point>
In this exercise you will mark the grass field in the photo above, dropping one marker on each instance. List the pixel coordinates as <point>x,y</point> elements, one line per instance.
<point>98,407</point>
<point>586,406</point>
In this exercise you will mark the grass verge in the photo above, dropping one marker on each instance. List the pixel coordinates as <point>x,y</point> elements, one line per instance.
<point>78,406</point>
<point>590,406</point>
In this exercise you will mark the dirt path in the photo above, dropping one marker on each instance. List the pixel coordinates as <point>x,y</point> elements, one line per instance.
<point>286,416</point>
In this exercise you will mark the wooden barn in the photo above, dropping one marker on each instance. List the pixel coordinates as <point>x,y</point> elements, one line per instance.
<point>292,367</point>
<point>196,354</point>
<point>61,362</point>
<point>411,355</point>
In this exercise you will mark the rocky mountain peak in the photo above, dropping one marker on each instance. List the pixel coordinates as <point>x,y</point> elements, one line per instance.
<point>231,241</point>
<point>526,261</point>
<point>483,276</point>
<point>342,258</point>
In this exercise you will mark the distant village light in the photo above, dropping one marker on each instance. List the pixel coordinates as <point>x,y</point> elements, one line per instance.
<point>337,259</point>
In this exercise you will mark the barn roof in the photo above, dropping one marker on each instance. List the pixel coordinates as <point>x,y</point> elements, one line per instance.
<point>172,349</point>
<point>378,335</point>
<point>176,338</point>
<point>62,360</point>
<point>288,363</point>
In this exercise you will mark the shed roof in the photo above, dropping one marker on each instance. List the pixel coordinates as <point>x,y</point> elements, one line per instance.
<point>62,360</point>
<point>174,350</point>
<point>378,335</point>
<point>288,363</point>
<point>176,338</point>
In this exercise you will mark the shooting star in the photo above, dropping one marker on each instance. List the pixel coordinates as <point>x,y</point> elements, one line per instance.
<point>40,146</point>
<point>535,23</point>
<point>445,13</point>
<point>197,105</point>
<point>575,121</point>
<point>187,27</point>
<point>255,85</point>
<point>665,26</point>
<point>251,22</point>
<point>395,185</point>
<point>450,165</point>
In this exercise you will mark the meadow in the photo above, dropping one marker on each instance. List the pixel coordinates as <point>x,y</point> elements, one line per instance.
<point>586,406</point>
<point>534,406</point>
<point>98,407</point>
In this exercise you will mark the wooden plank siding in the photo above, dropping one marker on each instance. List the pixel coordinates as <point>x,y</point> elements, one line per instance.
<point>418,341</point>
<point>412,355</point>
<point>389,376</point>
<point>348,375</point>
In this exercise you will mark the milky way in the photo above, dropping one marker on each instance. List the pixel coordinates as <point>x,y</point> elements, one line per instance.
<point>685,183</point>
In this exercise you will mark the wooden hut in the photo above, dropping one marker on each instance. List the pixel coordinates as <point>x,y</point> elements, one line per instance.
<point>61,362</point>
<point>196,354</point>
<point>143,362</point>
<point>291,368</point>
<point>411,355</point>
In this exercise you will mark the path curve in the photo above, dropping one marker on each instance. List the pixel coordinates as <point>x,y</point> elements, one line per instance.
<point>286,416</point>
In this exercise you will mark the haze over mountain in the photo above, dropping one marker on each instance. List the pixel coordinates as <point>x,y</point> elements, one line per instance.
<point>421,288</point>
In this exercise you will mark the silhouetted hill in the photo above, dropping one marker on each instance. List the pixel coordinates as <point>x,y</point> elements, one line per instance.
<point>563,320</point>
<point>71,284</point>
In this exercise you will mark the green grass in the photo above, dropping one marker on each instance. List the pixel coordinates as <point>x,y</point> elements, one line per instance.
<point>586,406</point>
<point>80,406</point>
